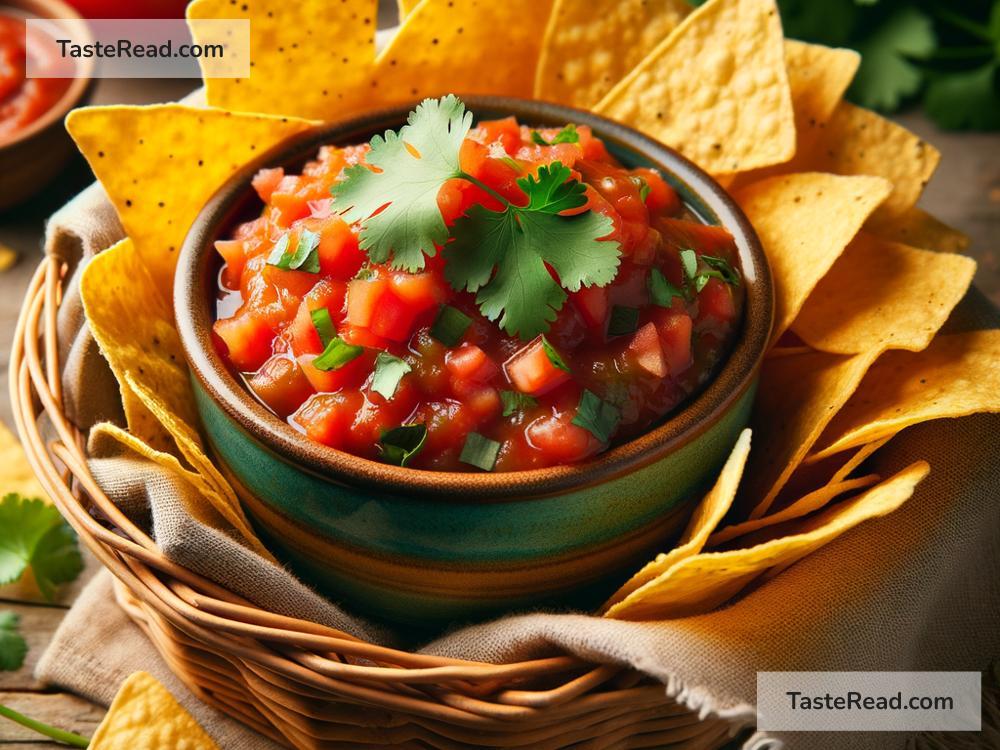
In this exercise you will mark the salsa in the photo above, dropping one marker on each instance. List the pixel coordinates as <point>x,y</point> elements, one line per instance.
<point>23,100</point>
<point>407,367</point>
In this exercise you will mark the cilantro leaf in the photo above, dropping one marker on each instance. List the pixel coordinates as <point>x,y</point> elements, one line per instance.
<point>398,203</point>
<point>303,258</point>
<point>886,76</point>
<point>12,645</point>
<point>336,354</point>
<point>521,242</point>
<point>402,443</point>
<point>33,534</point>
<point>515,401</point>
<point>567,135</point>
<point>661,291</point>
<point>966,99</point>
<point>596,416</point>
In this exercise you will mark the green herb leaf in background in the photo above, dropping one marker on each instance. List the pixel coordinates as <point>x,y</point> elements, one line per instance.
<point>886,75</point>
<point>33,535</point>
<point>12,645</point>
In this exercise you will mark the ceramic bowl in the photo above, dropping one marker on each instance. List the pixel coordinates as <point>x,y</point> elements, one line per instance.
<point>421,546</point>
<point>32,157</point>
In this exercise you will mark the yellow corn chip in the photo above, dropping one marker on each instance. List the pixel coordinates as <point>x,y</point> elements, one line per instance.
<point>134,327</point>
<point>803,506</point>
<point>310,58</point>
<point>715,89</point>
<point>466,47</point>
<point>706,517</point>
<point>883,295</point>
<point>145,716</point>
<point>16,474</point>
<point>160,164</point>
<point>850,464</point>
<point>700,583</point>
<point>406,7</point>
<point>857,141</point>
<point>917,228</point>
<point>804,222</point>
<point>798,396</point>
<point>956,375</point>
<point>589,47</point>
<point>818,76</point>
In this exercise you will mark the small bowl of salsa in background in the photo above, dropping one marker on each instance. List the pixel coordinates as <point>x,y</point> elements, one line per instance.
<point>34,144</point>
<point>421,545</point>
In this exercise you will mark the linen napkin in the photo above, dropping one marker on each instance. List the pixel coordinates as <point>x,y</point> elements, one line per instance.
<point>916,590</point>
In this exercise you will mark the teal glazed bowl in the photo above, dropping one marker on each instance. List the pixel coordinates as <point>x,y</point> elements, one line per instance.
<point>425,547</point>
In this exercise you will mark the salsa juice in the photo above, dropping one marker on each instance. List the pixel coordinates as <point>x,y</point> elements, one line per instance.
<point>400,366</point>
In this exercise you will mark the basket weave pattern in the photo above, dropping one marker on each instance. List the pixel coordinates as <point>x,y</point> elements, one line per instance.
<point>303,684</point>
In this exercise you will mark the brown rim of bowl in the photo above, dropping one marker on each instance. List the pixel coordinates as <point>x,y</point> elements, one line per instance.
<point>53,10</point>
<point>194,286</point>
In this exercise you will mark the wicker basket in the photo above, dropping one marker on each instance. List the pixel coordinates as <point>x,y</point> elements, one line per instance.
<point>307,685</point>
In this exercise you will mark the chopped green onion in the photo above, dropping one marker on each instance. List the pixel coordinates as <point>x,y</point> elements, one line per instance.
<point>515,401</point>
<point>567,135</point>
<point>402,443</point>
<point>389,370</point>
<point>554,357</point>
<point>337,354</point>
<point>323,324</point>
<point>598,417</point>
<point>722,269</point>
<point>624,320</point>
<point>450,325</point>
<point>689,260</point>
<point>304,257</point>
<point>643,187</point>
<point>700,280</point>
<point>480,452</point>
<point>661,291</point>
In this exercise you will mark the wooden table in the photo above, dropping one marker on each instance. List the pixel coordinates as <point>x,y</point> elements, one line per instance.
<point>965,193</point>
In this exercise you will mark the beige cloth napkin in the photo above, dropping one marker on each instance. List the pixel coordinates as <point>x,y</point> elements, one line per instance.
<point>917,590</point>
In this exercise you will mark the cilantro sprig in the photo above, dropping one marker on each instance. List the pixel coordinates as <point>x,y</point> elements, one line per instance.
<point>34,536</point>
<point>503,256</point>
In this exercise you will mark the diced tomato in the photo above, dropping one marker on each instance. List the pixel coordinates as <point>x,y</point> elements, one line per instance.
<point>675,336</point>
<point>716,301</point>
<point>248,339</point>
<point>562,440</point>
<point>532,372</point>
<point>339,255</point>
<point>362,337</point>
<point>592,302</point>
<point>483,400</point>
<point>281,384</point>
<point>351,375</point>
<point>302,331</point>
<point>708,239</point>
<point>288,202</point>
<point>422,291</point>
<point>304,336</point>
<point>320,208</point>
<point>507,131</point>
<point>662,198</point>
<point>328,293</point>
<point>297,283</point>
<point>450,200</point>
<point>363,297</point>
<point>392,318</point>
<point>327,417</point>
<point>232,253</point>
<point>265,182</point>
<point>648,350</point>
<point>469,362</point>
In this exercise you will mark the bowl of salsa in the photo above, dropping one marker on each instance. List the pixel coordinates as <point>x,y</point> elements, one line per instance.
<point>33,143</point>
<point>456,367</point>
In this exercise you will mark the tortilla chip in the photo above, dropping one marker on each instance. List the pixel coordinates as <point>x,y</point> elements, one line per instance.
<point>160,165</point>
<point>218,512</point>
<point>797,397</point>
<point>701,583</point>
<point>715,89</point>
<point>589,47</point>
<point>706,517</point>
<point>17,474</point>
<point>145,716</point>
<point>469,47</point>
<point>883,295</point>
<point>312,58</point>
<point>134,327</point>
<point>804,222</point>
<point>802,506</point>
<point>406,7</point>
<point>917,228</point>
<point>955,376</point>
<point>818,76</point>
<point>857,141</point>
